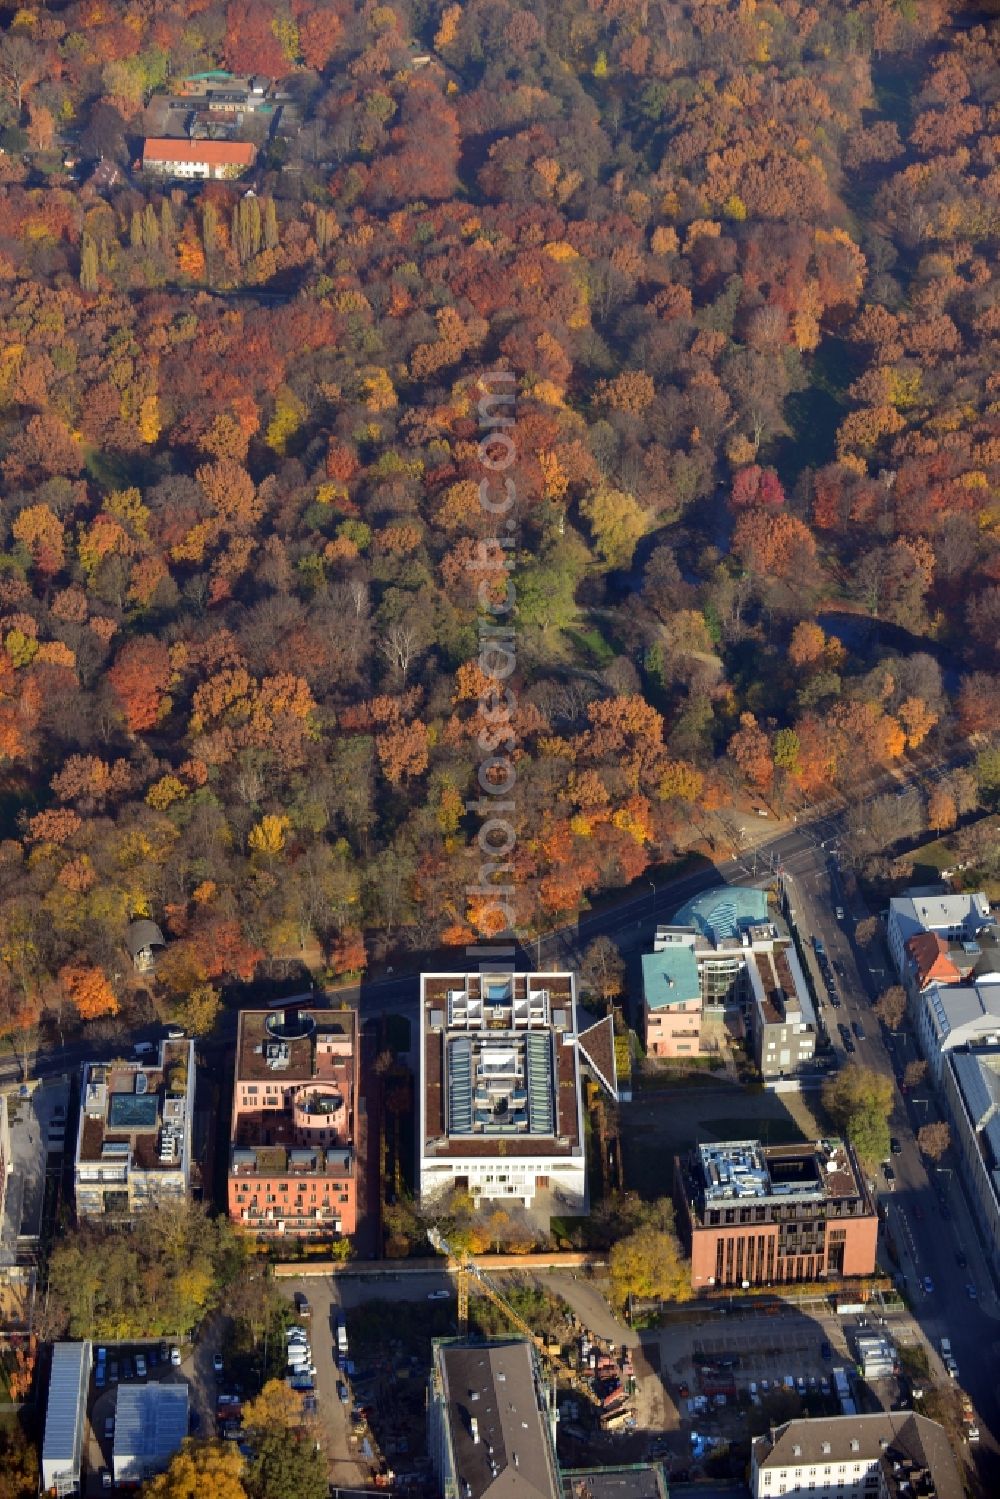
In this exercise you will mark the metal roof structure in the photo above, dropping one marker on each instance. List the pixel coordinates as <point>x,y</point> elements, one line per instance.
<point>670,977</point>
<point>151,1422</point>
<point>62,1447</point>
<point>143,934</point>
<point>725,912</point>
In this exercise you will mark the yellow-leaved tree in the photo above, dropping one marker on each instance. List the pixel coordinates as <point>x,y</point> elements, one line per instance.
<point>648,1264</point>
<point>199,1469</point>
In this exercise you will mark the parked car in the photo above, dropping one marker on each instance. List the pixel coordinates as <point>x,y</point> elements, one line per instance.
<point>100,1375</point>
<point>175,1356</point>
<point>164,1351</point>
<point>890,1176</point>
<point>971,1291</point>
<point>127,1369</point>
<point>302,1305</point>
<point>217,1363</point>
<point>140,1366</point>
<point>825,1351</point>
<point>105,1478</point>
<point>113,1371</point>
<point>438,1295</point>
<point>109,1428</point>
<point>849,1045</point>
<point>858,1029</point>
<point>895,1146</point>
<point>928,1286</point>
<point>839,912</point>
<point>342,1392</point>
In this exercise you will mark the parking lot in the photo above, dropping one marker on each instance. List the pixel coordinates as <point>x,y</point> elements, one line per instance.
<point>120,1367</point>
<point>345,1436</point>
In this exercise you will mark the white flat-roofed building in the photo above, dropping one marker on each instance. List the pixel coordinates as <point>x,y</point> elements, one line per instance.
<point>501,1113</point>
<point>134,1144</point>
<point>65,1418</point>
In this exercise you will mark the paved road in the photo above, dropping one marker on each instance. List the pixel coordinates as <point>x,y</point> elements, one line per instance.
<point>929,1215</point>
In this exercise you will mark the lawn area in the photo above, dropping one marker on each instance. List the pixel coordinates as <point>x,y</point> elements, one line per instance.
<point>771,1131</point>
<point>949,851</point>
<point>659,1125</point>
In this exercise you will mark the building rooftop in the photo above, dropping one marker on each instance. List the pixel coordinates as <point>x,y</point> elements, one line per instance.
<point>597,1048</point>
<point>137,1111</point>
<point>912,1450</point>
<point>215,153</point>
<point>978,1076</point>
<point>501,1069</point>
<point>294,1046</point>
<point>670,977</point>
<point>500,1440</point>
<point>922,910</point>
<point>955,1007</point>
<point>636,1481</point>
<point>725,912</point>
<point>67,1382</point>
<point>779,988</point>
<point>743,1171</point>
<point>929,953</point>
<point>151,1422</point>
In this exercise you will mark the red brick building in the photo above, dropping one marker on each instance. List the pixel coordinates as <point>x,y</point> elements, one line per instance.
<point>750,1214</point>
<point>292,1160</point>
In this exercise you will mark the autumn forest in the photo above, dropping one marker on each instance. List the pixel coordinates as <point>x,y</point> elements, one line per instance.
<point>741,260</point>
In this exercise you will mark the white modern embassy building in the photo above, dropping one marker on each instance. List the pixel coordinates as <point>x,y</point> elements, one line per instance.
<point>500,1089</point>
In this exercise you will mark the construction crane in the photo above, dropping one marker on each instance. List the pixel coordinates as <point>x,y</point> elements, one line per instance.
<point>467,1270</point>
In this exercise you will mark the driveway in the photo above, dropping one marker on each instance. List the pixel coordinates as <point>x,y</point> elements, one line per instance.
<point>347,1467</point>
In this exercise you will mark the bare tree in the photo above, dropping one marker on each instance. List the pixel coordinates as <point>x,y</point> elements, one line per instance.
<point>602,968</point>
<point>890,1007</point>
<point>914,1074</point>
<point>399,645</point>
<point>21,64</point>
<point>934,1139</point>
<point>866,931</point>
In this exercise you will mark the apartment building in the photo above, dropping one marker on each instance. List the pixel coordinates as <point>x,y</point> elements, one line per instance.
<point>293,1169</point>
<point>724,957</point>
<point>134,1136</point>
<point>783,1020</point>
<point>671,996</point>
<point>491,1417</point>
<point>950,1017</point>
<point>957,920</point>
<point>501,1113</point>
<point>751,1214</point>
<point>889,1455</point>
<point>971,1088</point>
